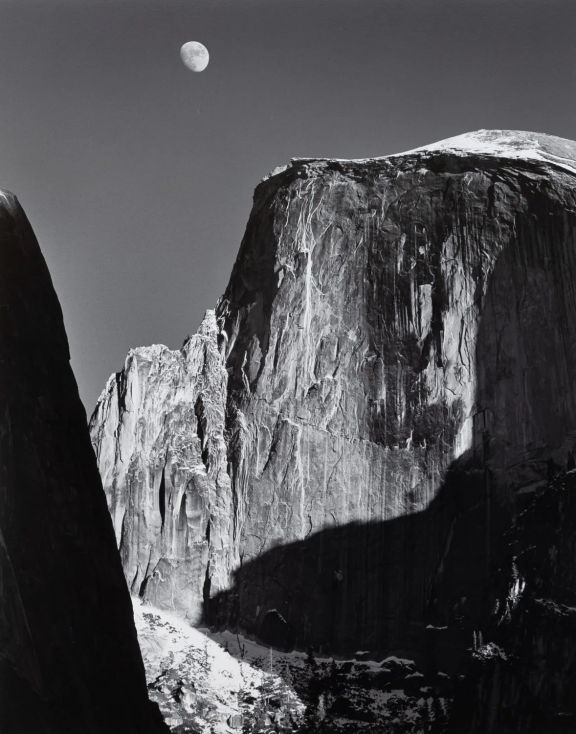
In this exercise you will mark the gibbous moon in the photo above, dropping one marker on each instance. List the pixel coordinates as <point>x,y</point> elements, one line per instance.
<point>195,55</point>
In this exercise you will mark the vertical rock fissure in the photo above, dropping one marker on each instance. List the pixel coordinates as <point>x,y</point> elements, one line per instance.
<point>162,497</point>
<point>202,430</point>
<point>145,578</point>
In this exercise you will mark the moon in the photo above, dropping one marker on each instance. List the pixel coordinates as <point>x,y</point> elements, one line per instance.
<point>195,55</point>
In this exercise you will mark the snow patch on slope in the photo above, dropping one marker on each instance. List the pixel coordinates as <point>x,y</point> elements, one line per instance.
<point>196,682</point>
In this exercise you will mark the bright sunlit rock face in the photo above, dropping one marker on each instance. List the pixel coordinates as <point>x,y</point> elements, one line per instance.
<point>159,435</point>
<point>389,369</point>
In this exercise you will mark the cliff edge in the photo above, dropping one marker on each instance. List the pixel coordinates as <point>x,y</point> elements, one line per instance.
<point>69,656</point>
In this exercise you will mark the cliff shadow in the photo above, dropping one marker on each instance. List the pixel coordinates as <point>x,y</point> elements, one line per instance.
<point>416,585</point>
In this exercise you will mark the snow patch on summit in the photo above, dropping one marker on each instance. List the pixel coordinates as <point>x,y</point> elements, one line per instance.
<point>506,144</point>
<point>513,144</point>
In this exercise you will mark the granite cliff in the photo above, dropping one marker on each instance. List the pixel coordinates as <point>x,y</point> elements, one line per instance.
<point>69,656</point>
<point>334,459</point>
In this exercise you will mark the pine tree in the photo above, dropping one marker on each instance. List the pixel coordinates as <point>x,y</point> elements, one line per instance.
<point>311,723</point>
<point>425,716</point>
<point>439,720</point>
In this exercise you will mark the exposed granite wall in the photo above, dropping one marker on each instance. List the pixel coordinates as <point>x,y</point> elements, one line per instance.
<point>397,345</point>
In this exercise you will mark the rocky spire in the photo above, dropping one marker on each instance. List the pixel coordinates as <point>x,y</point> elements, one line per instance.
<point>69,657</point>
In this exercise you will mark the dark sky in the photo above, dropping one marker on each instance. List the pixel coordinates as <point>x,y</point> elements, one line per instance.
<point>138,174</point>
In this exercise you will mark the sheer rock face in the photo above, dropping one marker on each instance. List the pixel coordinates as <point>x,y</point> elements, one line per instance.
<point>159,437</point>
<point>69,657</point>
<point>331,459</point>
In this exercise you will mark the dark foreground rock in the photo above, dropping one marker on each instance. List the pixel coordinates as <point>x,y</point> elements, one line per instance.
<point>522,678</point>
<point>332,461</point>
<point>69,656</point>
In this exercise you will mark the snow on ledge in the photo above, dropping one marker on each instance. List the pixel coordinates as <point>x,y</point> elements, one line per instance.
<point>506,144</point>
